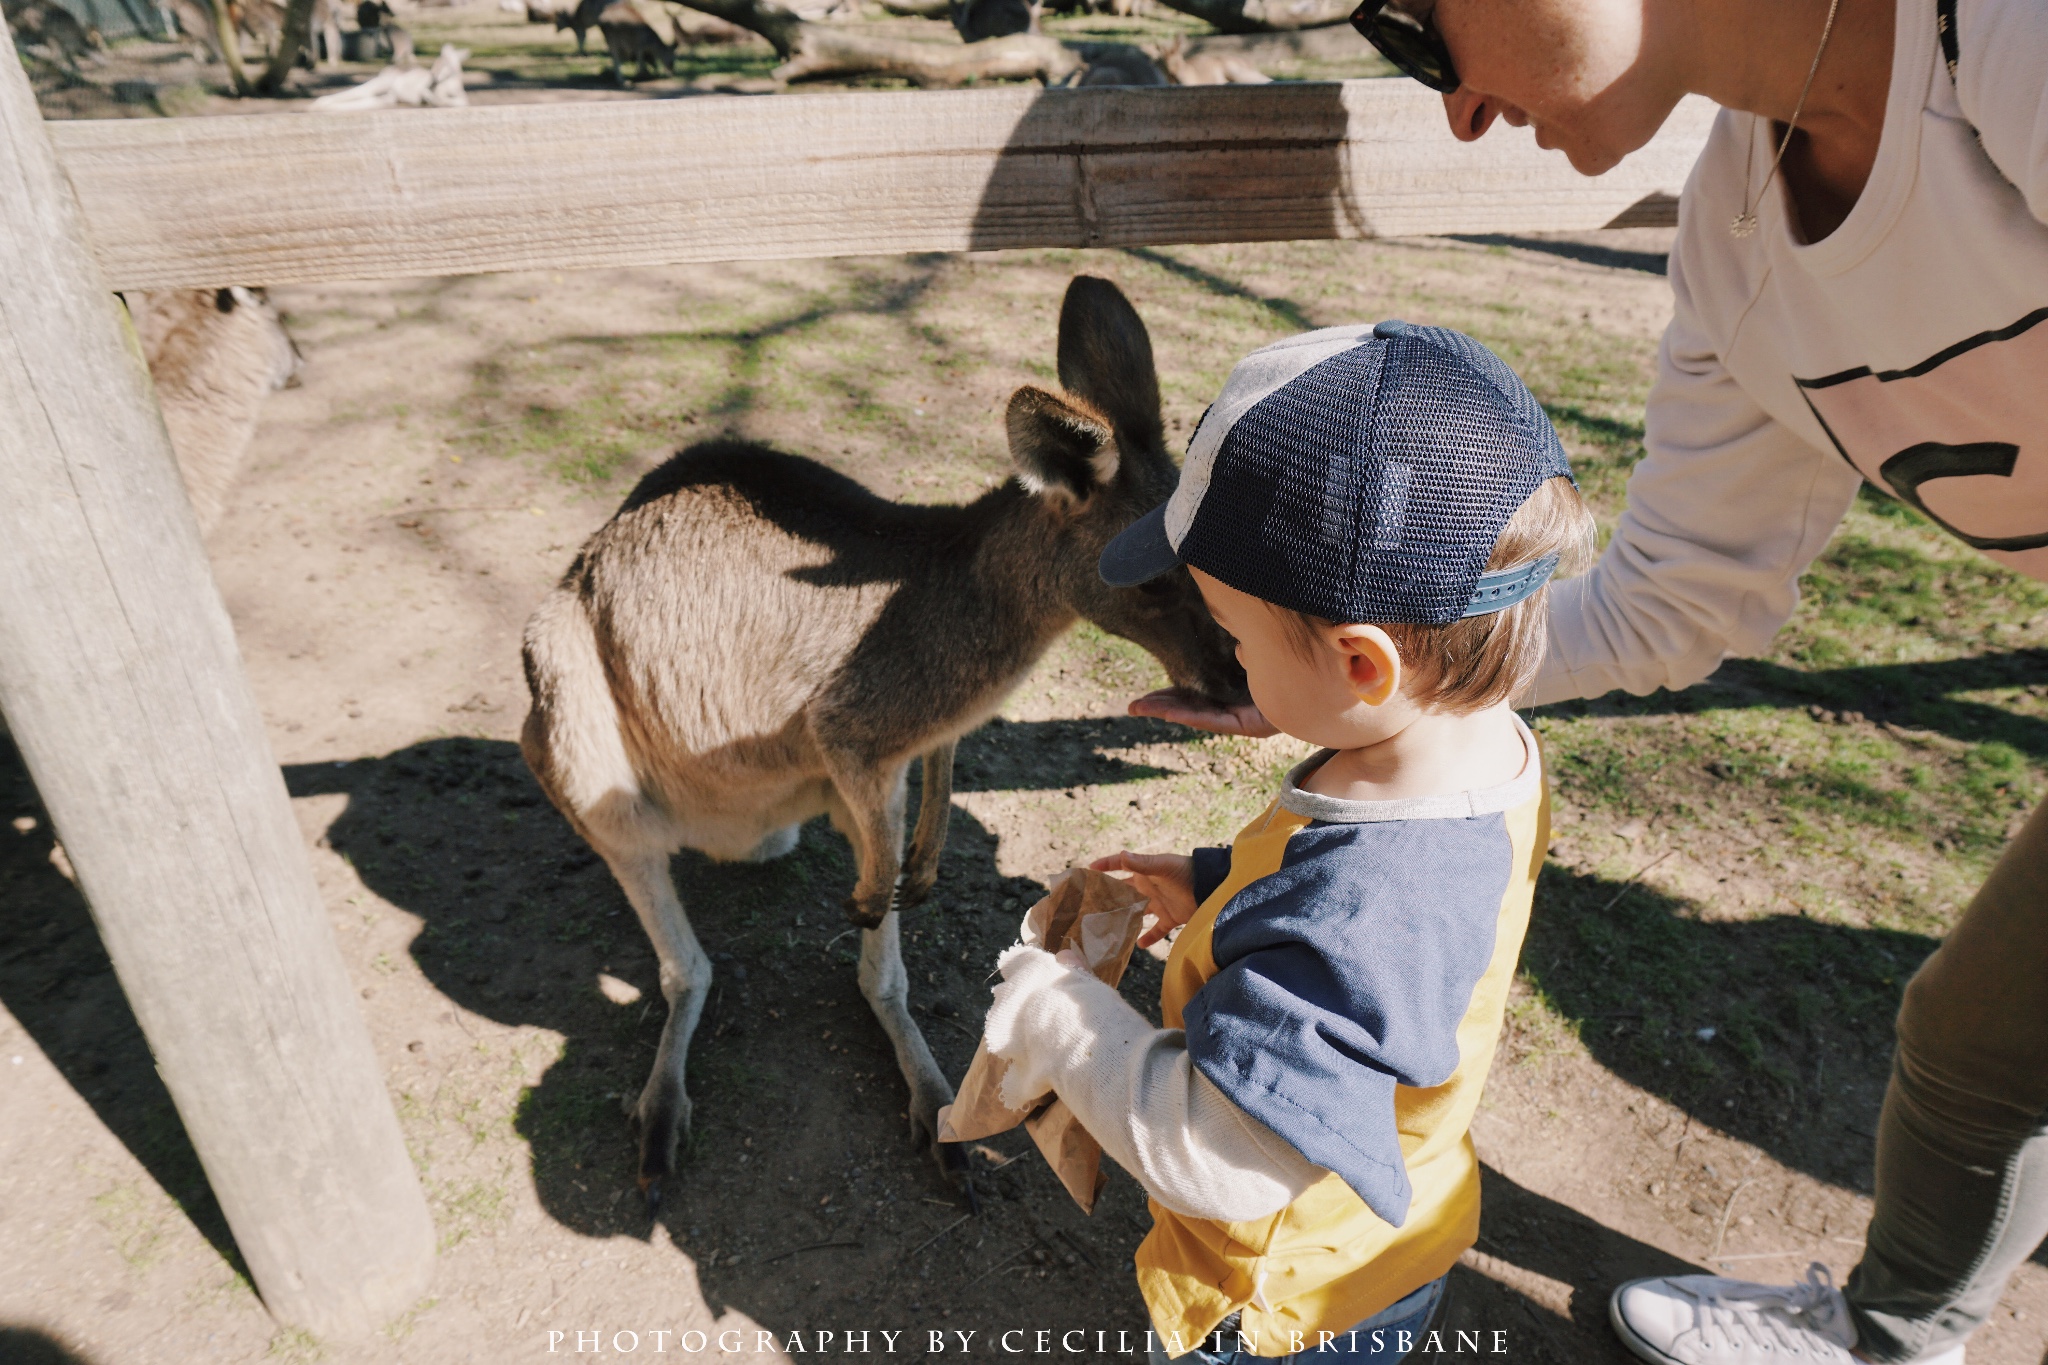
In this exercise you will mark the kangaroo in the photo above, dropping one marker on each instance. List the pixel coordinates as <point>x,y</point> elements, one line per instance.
<point>754,640</point>
<point>631,40</point>
<point>214,356</point>
<point>582,17</point>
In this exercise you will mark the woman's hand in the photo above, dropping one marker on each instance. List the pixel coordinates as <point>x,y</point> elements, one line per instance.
<point>1166,880</point>
<point>1192,709</point>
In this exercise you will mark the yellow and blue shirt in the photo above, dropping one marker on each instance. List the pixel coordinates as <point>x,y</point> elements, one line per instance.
<point>1343,982</point>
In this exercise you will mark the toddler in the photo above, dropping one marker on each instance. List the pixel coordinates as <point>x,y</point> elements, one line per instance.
<point>1373,513</point>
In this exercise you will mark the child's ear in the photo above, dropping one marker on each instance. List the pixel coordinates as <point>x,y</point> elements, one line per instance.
<point>1372,662</point>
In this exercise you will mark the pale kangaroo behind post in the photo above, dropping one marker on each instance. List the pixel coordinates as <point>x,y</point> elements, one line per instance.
<point>214,355</point>
<point>754,640</point>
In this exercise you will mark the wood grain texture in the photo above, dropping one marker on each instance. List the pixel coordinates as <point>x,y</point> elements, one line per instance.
<point>292,198</point>
<point>121,681</point>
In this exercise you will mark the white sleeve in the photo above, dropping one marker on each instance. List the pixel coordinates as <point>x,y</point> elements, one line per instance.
<point>2002,86</point>
<point>1724,513</point>
<point>1135,1091</point>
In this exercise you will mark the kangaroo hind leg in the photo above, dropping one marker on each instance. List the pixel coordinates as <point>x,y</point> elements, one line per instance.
<point>928,841</point>
<point>574,743</point>
<point>662,1113</point>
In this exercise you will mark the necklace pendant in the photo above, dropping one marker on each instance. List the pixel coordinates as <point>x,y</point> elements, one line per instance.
<point>1742,225</point>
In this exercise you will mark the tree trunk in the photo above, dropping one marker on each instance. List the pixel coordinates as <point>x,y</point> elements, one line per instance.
<point>292,39</point>
<point>1266,16</point>
<point>810,51</point>
<point>229,41</point>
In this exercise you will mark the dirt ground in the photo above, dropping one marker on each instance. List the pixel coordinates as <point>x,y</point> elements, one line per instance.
<point>1743,877</point>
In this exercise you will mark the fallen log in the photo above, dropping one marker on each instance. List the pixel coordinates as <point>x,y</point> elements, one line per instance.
<point>1265,16</point>
<point>1340,44</point>
<point>811,51</point>
<point>1183,67</point>
<point>844,52</point>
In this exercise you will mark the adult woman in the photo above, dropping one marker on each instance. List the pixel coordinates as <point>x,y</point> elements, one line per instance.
<point>1861,281</point>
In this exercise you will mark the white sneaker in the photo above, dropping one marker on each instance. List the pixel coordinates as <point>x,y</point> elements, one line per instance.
<point>1708,1320</point>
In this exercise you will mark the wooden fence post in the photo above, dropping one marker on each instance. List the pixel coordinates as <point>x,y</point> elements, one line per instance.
<point>121,680</point>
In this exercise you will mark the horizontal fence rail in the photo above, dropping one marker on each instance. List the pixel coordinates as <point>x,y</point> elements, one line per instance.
<point>280,199</point>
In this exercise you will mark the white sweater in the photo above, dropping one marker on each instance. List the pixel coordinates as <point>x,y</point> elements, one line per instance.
<point>1137,1093</point>
<point>1907,347</point>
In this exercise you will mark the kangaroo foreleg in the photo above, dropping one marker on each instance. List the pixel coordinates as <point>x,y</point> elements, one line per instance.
<point>869,811</point>
<point>928,841</point>
<point>887,988</point>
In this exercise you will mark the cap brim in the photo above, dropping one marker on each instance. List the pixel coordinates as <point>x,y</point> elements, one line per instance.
<point>1140,554</point>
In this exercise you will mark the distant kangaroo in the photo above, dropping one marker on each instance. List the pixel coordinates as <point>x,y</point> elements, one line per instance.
<point>754,640</point>
<point>632,41</point>
<point>582,17</point>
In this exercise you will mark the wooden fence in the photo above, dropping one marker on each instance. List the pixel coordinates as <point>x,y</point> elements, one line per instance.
<point>406,192</point>
<point>118,666</point>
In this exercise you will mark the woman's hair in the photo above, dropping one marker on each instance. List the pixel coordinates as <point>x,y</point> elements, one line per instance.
<point>1478,662</point>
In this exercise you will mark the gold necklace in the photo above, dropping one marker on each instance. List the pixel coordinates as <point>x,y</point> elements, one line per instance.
<point>1744,223</point>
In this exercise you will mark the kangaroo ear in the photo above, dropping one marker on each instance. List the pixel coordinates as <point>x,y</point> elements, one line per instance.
<point>1062,450</point>
<point>1106,358</point>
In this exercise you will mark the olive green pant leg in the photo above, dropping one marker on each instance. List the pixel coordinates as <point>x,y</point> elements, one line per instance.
<point>1962,1146</point>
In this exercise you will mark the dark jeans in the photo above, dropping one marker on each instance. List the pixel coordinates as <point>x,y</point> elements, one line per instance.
<point>1386,1336</point>
<point>1962,1147</point>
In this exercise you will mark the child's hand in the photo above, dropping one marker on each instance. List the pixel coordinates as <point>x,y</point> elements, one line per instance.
<point>1167,880</point>
<point>1180,705</point>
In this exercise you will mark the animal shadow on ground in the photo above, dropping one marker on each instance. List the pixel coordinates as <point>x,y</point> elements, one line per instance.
<point>27,1346</point>
<point>56,980</point>
<point>521,920</point>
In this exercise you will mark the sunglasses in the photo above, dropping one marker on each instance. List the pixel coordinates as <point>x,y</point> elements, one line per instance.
<point>1410,43</point>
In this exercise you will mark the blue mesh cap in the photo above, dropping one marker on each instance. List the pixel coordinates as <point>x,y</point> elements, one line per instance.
<point>1357,474</point>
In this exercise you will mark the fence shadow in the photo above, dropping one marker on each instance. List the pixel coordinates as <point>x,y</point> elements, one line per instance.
<point>1287,185</point>
<point>1776,1031</point>
<point>1540,1279</point>
<point>1586,253</point>
<point>56,980</point>
<point>1915,696</point>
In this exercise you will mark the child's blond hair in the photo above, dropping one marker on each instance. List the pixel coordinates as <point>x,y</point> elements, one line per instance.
<point>1481,661</point>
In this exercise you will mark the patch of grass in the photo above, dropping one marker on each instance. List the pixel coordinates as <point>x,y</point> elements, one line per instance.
<point>1114,663</point>
<point>136,1222</point>
<point>399,1328</point>
<point>294,1346</point>
<point>464,1208</point>
<point>589,408</point>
